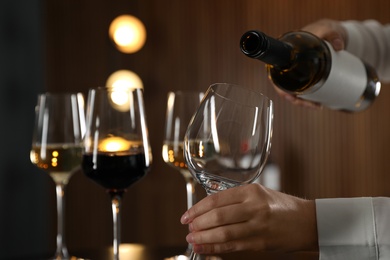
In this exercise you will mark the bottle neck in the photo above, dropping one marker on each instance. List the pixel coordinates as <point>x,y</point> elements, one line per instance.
<point>258,45</point>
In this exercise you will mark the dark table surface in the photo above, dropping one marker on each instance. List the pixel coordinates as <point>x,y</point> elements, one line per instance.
<point>141,252</point>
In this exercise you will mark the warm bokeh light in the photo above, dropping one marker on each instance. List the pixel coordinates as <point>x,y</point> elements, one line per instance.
<point>128,33</point>
<point>120,82</point>
<point>114,144</point>
<point>132,251</point>
<point>124,79</point>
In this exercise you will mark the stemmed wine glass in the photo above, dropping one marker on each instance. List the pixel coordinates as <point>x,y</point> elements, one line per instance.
<point>229,138</point>
<point>181,105</point>
<point>116,148</point>
<point>57,147</point>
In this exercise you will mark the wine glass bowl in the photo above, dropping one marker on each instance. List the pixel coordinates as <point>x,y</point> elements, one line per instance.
<point>116,147</point>
<point>229,138</point>
<point>181,105</point>
<point>116,170</point>
<point>57,147</point>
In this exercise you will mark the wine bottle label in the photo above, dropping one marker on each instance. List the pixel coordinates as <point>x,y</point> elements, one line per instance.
<point>345,84</point>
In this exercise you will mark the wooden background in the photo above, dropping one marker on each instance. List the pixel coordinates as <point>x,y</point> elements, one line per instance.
<point>190,45</point>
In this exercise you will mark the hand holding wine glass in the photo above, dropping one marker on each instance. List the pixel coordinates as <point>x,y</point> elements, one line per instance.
<point>229,138</point>
<point>57,147</point>
<point>117,151</point>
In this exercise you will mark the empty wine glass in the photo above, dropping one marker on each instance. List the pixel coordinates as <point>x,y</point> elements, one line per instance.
<point>117,151</point>
<point>57,147</point>
<point>181,105</point>
<point>229,138</point>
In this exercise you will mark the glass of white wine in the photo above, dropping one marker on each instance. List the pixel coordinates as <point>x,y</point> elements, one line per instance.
<point>57,147</point>
<point>181,105</point>
<point>229,138</point>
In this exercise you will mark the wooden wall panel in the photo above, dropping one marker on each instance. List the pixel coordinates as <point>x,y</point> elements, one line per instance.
<point>190,45</point>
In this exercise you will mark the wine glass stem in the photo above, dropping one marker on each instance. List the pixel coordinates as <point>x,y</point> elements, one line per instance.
<point>191,198</point>
<point>193,255</point>
<point>116,206</point>
<point>61,252</point>
<point>190,187</point>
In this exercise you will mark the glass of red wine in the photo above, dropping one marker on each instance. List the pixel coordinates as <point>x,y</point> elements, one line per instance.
<point>116,147</point>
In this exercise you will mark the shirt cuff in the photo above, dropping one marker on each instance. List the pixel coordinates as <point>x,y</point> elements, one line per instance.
<point>346,229</point>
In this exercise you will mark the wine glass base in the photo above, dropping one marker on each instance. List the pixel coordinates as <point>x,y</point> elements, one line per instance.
<point>68,258</point>
<point>177,257</point>
<point>198,257</point>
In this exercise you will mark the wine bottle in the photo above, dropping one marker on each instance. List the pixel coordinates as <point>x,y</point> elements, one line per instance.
<point>304,65</point>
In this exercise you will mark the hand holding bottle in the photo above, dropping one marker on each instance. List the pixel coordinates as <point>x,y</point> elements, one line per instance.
<point>332,32</point>
<point>302,65</point>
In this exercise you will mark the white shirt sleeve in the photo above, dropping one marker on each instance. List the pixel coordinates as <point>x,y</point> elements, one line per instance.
<point>353,228</point>
<point>370,41</point>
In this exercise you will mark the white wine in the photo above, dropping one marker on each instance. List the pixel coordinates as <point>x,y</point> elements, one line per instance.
<point>173,155</point>
<point>304,65</point>
<point>59,160</point>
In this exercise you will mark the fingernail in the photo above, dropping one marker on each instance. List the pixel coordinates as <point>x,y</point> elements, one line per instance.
<point>337,44</point>
<point>190,238</point>
<point>185,218</point>
<point>290,98</point>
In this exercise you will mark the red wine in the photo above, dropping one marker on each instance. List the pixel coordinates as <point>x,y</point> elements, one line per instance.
<point>115,172</point>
